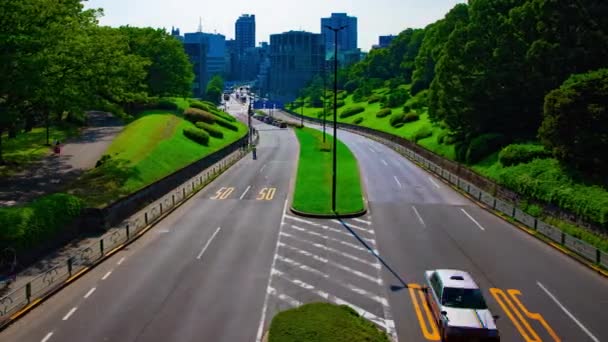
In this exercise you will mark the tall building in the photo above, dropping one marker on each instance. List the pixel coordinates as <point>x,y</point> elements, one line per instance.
<point>244,32</point>
<point>207,54</point>
<point>295,58</point>
<point>347,38</point>
<point>385,41</point>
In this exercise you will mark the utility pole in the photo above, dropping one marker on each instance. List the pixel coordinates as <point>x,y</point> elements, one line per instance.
<point>323,98</point>
<point>334,166</point>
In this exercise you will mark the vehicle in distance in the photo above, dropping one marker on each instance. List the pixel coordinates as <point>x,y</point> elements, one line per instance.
<point>459,307</point>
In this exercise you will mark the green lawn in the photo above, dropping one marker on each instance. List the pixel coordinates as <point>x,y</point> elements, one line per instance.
<point>147,150</point>
<point>313,185</point>
<point>323,322</point>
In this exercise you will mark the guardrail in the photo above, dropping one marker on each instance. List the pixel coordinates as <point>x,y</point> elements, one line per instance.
<point>477,187</point>
<point>125,232</point>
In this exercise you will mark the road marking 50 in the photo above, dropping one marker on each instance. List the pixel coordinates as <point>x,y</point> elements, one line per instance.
<point>266,194</point>
<point>516,313</point>
<point>428,325</point>
<point>223,193</point>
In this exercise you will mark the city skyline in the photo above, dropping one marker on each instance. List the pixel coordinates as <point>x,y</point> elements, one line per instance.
<point>384,18</point>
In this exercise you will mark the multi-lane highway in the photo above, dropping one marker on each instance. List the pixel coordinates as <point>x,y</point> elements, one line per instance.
<point>223,264</point>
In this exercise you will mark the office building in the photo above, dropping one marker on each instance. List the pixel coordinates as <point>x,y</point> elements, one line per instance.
<point>347,38</point>
<point>295,58</point>
<point>244,30</point>
<point>207,54</point>
<point>385,41</point>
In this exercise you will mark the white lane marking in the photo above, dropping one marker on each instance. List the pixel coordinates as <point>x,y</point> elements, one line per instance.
<point>268,288</point>
<point>434,183</point>
<point>245,193</point>
<point>384,162</point>
<point>321,225</point>
<point>350,225</point>
<point>371,149</point>
<point>591,336</point>
<point>419,217</point>
<point>362,221</point>
<point>47,337</point>
<point>120,261</point>
<point>293,302</point>
<point>263,167</point>
<point>344,232</point>
<point>398,182</point>
<point>329,238</point>
<point>208,243</point>
<point>329,249</point>
<point>106,275</point>
<point>90,292</point>
<point>70,313</point>
<point>472,219</point>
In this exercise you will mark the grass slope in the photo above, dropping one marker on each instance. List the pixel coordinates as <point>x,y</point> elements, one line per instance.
<point>313,185</point>
<point>323,322</point>
<point>147,150</point>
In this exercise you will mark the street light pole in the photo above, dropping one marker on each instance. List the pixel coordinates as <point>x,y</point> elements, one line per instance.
<point>249,120</point>
<point>302,113</point>
<point>324,104</point>
<point>335,147</point>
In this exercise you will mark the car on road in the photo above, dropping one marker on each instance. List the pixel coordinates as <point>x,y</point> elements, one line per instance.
<point>459,307</point>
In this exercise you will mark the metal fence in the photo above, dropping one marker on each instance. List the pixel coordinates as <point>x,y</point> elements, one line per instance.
<point>478,187</point>
<point>126,231</point>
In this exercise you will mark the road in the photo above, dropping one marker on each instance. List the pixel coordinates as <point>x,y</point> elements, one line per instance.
<point>420,223</point>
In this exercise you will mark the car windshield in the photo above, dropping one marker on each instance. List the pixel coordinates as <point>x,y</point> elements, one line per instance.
<point>463,298</point>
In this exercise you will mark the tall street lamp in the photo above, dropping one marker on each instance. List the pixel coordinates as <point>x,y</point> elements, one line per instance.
<point>334,176</point>
<point>323,99</point>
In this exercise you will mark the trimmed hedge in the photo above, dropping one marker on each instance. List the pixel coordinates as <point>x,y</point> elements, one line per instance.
<point>396,118</point>
<point>350,111</point>
<point>522,153</point>
<point>422,132</point>
<point>227,124</point>
<point>28,226</point>
<point>411,117</point>
<point>214,132</point>
<point>195,115</point>
<point>200,105</point>
<point>374,98</point>
<point>484,145</point>
<point>384,113</point>
<point>197,135</point>
<point>358,120</point>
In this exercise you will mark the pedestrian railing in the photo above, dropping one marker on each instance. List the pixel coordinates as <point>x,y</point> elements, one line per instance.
<point>128,230</point>
<point>477,191</point>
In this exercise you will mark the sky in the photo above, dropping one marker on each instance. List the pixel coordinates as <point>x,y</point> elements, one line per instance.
<point>375,17</point>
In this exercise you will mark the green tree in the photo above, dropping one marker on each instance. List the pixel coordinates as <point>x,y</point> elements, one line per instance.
<point>575,123</point>
<point>215,88</point>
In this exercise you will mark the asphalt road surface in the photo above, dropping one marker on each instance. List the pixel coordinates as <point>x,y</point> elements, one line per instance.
<point>420,223</point>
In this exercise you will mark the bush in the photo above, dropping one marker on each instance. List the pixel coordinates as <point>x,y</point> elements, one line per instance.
<point>351,85</point>
<point>396,118</point>
<point>422,132</point>
<point>384,113</point>
<point>195,115</point>
<point>197,135</point>
<point>340,103</point>
<point>484,145</point>
<point>350,111</point>
<point>374,98</point>
<point>521,153</point>
<point>214,132</point>
<point>200,105</point>
<point>167,105</point>
<point>105,158</point>
<point>397,97</point>
<point>411,117</point>
<point>399,125</point>
<point>227,124</point>
<point>358,120</point>
<point>407,109</point>
<point>342,94</point>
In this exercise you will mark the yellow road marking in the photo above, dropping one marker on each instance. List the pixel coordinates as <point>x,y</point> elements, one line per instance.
<point>223,193</point>
<point>432,335</point>
<point>266,194</point>
<point>535,316</point>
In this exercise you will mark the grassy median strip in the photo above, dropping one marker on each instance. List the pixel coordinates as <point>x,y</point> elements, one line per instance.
<point>320,322</point>
<point>313,185</point>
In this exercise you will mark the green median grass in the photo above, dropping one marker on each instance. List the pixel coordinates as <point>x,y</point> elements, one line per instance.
<point>148,149</point>
<point>323,322</point>
<point>314,179</point>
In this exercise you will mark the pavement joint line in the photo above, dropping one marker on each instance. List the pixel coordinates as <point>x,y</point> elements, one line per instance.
<point>268,287</point>
<point>472,219</point>
<point>245,193</point>
<point>434,183</point>
<point>561,306</point>
<point>208,243</point>
<point>120,261</point>
<point>398,182</point>
<point>47,337</point>
<point>69,314</point>
<point>90,292</point>
<point>105,276</point>
<point>419,217</point>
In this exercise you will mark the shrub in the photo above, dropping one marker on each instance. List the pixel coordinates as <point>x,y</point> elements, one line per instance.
<point>195,115</point>
<point>200,105</point>
<point>411,117</point>
<point>358,120</point>
<point>399,125</point>
<point>521,153</point>
<point>342,94</point>
<point>396,118</point>
<point>351,85</point>
<point>350,111</point>
<point>214,132</point>
<point>397,97</point>
<point>374,98</point>
<point>484,145</point>
<point>407,109</point>
<point>384,113</point>
<point>105,158</point>
<point>340,103</point>
<point>167,105</point>
<point>197,135</point>
<point>422,132</point>
<point>227,124</point>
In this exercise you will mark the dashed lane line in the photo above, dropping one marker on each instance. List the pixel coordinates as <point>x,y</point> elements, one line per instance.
<point>472,219</point>
<point>434,183</point>
<point>89,293</point>
<point>120,261</point>
<point>199,256</point>
<point>397,181</point>
<point>47,337</point>
<point>70,313</point>
<point>245,193</point>
<point>106,275</point>
<point>419,217</point>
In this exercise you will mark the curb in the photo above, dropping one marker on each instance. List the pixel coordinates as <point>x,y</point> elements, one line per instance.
<point>107,255</point>
<point>327,216</point>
